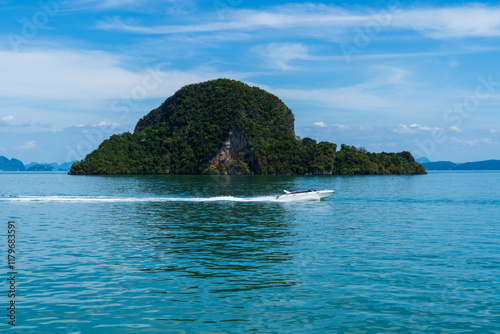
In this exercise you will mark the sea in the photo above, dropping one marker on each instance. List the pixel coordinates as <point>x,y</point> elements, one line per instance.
<point>220,254</point>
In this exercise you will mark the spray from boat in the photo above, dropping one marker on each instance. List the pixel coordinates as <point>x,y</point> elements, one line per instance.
<point>287,196</point>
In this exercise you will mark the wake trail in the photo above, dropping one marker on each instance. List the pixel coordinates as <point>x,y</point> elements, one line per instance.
<point>108,199</point>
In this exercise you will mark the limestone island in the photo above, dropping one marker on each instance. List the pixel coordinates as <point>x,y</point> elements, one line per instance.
<point>228,127</point>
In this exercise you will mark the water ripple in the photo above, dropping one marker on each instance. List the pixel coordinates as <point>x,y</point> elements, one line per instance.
<point>139,255</point>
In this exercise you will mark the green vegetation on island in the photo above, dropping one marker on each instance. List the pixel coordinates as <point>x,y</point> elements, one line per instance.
<point>227,127</point>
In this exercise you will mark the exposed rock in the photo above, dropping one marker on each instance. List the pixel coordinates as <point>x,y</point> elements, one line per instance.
<point>235,155</point>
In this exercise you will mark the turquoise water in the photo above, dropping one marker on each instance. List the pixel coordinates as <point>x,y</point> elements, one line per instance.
<point>207,254</point>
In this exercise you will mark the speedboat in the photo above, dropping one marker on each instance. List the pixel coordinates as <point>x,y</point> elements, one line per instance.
<point>305,194</point>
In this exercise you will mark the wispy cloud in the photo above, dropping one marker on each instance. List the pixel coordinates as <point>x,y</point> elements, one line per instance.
<point>332,126</point>
<point>27,146</point>
<point>348,98</point>
<point>116,24</point>
<point>61,74</point>
<point>11,121</point>
<point>107,124</point>
<point>109,4</point>
<point>340,126</point>
<point>414,128</point>
<point>45,125</point>
<point>87,75</point>
<point>113,3</point>
<point>476,141</point>
<point>278,17</point>
<point>471,20</point>
<point>281,54</point>
<point>375,93</point>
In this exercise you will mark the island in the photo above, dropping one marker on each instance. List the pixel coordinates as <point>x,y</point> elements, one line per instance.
<point>225,126</point>
<point>476,165</point>
<point>41,168</point>
<point>11,165</point>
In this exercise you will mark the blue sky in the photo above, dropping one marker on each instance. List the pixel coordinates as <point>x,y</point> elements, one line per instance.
<point>422,76</point>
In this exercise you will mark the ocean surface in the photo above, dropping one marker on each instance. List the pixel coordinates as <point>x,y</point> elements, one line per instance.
<point>219,254</point>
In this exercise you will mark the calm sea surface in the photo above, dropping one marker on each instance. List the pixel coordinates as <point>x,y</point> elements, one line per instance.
<point>207,254</point>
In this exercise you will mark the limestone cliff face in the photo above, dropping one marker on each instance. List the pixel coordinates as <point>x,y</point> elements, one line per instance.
<point>235,154</point>
<point>318,171</point>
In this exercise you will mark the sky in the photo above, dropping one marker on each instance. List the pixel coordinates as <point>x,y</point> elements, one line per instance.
<point>421,76</point>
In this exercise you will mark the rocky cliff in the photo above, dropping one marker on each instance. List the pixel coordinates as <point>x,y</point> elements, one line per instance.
<point>235,154</point>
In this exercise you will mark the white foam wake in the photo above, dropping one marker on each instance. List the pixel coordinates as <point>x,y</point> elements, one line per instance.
<point>107,199</point>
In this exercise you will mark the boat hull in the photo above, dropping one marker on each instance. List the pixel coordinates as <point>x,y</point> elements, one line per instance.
<point>306,195</point>
<point>325,193</point>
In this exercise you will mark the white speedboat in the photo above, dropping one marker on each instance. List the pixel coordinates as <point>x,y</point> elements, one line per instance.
<point>305,194</point>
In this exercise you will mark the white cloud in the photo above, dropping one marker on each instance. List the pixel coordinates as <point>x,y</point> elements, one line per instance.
<point>415,128</point>
<point>358,97</point>
<point>115,3</point>
<point>107,3</point>
<point>467,142</point>
<point>476,142</point>
<point>106,124</point>
<point>456,129</point>
<point>86,75</point>
<point>45,125</point>
<point>471,20</point>
<point>395,75</point>
<point>13,122</point>
<point>27,145</point>
<point>337,126</point>
<point>340,126</point>
<point>116,24</point>
<point>453,63</point>
<point>375,94</point>
<point>62,75</point>
<point>280,54</point>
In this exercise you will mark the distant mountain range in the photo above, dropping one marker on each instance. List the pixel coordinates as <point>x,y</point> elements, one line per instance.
<point>17,165</point>
<point>49,167</point>
<point>448,165</point>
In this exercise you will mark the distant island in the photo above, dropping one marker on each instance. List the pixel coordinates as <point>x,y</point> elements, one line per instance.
<point>11,165</point>
<point>49,167</point>
<point>448,165</point>
<point>227,127</point>
<point>15,165</point>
